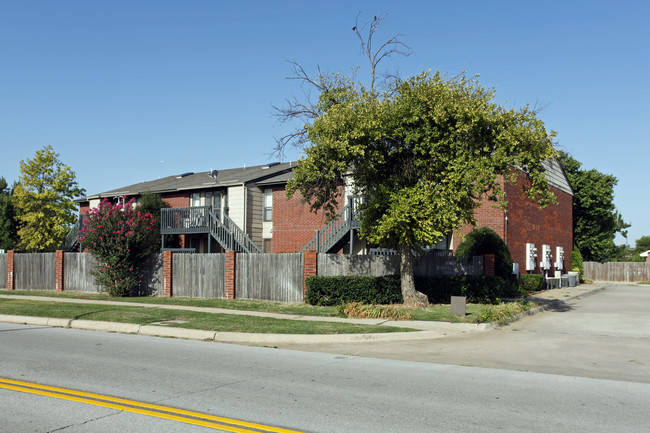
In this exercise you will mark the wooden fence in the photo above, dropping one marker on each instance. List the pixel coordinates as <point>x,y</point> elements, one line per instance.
<point>429,265</point>
<point>35,271</point>
<point>3,271</point>
<point>617,271</point>
<point>76,273</point>
<point>199,275</point>
<point>273,277</point>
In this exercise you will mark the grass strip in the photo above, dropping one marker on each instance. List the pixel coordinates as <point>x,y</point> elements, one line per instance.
<point>299,309</point>
<point>195,320</point>
<point>431,313</point>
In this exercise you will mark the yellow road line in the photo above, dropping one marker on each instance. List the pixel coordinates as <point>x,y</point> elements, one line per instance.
<point>165,412</point>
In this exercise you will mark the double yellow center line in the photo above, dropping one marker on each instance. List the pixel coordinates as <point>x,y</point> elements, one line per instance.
<point>165,412</point>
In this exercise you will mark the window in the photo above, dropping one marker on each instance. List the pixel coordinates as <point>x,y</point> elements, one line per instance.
<point>267,245</point>
<point>268,204</point>
<point>196,199</point>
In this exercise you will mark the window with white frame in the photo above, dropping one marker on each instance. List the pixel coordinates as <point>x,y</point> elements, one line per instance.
<point>268,204</point>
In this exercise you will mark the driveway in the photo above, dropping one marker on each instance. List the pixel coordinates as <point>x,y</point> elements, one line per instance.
<point>605,335</point>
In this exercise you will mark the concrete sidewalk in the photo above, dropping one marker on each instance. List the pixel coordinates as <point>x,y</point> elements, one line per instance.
<point>428,329</point>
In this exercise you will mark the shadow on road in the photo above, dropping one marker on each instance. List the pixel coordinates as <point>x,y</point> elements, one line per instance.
<point>554,305</point>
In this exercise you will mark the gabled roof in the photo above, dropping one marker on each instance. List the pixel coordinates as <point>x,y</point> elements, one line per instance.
<point>556,177</point>
<point>645,253</point>
<point>202,180</point>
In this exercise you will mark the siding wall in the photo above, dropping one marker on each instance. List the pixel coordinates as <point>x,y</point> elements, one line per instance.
<point>199,275</point>
<point>273,277</point>
<point>236,205</point>
<point>254,215</point>
<point>35,271</point>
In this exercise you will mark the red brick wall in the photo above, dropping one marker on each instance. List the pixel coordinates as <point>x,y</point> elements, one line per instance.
<point>84,207</point>
<point>293,224</point>
<point>486,216</point>
<point>552,225</point>
<point>168,283</point>
<point>177,199</point>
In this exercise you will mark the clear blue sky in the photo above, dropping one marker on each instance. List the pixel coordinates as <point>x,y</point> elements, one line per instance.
<point>128,91</point>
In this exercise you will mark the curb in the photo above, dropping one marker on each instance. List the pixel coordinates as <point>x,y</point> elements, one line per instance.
<point>222,337</point>
<point>266,339</point>
<point>549,305</point>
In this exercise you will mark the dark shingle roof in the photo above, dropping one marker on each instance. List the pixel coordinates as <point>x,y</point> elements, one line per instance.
<point>189,181</point>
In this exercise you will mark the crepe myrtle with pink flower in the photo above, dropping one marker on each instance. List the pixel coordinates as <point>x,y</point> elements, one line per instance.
<point>121,238</point>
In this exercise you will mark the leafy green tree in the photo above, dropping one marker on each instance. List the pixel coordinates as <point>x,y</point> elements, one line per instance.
<point>423,154</point>
<point>8,230</point>
<point>151,202</point>
<point>44,200</point>
<point>486,241</point>
<point>595,219</point>
<point>576,262</point>
<point>121,238</point>
<point>643,244</point>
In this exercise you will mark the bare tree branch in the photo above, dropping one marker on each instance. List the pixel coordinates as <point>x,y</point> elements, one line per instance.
<point>306,109</point>
<point>392,46</point>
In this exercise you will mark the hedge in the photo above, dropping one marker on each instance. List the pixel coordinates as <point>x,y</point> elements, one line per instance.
<point>530,283</point>
<point>323,290</point>
<point>479,289</point>
<point>341,290</point>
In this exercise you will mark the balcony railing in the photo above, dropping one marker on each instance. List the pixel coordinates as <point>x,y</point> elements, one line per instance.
<point>201,219</point>
<point>185,220</point>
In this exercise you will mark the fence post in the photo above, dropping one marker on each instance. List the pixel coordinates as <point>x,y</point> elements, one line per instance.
<point>168,282</point>
<point>311,266</point>
<point>231,274</point>
<point>59,278</point>
<point>11,282</point>
<point>488,264</point>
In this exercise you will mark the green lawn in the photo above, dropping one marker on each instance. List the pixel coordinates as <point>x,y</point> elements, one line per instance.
<point>195,320</point>
<point>433,312</point>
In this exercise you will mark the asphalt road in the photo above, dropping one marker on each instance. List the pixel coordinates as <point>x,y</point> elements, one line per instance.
<point>605,335</point>
<point>320,392</point>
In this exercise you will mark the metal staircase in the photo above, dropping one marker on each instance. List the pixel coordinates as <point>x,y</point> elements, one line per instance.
<point>202,219</point>
<point>230,236</point>
<point>71,240</point>
<point>337,232</point>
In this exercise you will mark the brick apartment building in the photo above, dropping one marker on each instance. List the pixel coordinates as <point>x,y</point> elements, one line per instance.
<point>247,209</point>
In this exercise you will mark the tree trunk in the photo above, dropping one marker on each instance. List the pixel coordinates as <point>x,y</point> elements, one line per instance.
<point>412,298</point>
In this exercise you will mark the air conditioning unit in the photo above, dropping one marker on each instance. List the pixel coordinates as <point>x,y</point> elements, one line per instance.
<point>531,256</point>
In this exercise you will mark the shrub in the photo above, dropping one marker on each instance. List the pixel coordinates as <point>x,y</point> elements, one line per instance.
<point>486,241</point>
<point>357,310</point>
<point>530,283</point>
<point>340,290</point>
<point>502,312</point>
<point>120,238</point>
<point>576,262</point>
<point>387,290</point>
<point>481,289</point>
